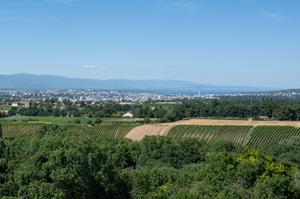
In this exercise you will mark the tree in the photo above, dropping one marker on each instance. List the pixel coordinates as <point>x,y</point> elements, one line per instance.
<point>287,150</point>
<point>59,166</point>
<point>147,120</point>
<point>77,121</point>
<point>90,122</point>
<point>1,131</point>
<point>98,121</point>
<point>276,186</point>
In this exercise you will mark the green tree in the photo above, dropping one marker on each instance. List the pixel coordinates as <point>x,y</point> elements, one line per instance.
<point>275,186</point>
<point>1,130</point>
<point>98,121</point>
<point>90,122</point>
<point>77,121</point>
<point>287,150</point>
<point>60,166</point>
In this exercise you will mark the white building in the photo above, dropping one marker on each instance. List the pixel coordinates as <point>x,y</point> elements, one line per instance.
<point>128,115</point>
<point>15,104</point>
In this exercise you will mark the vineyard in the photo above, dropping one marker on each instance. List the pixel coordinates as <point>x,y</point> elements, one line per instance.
<point>234,134</point>
<point>261,136</point>
<point>264,136</point>
<point>102,131</point>
<point>12,129</point>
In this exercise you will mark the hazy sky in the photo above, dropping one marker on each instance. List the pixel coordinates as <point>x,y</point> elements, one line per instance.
<point>225,42</point>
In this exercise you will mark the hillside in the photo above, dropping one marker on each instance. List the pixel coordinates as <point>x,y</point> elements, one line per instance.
<point>240,132</point>
<point>29,81</point>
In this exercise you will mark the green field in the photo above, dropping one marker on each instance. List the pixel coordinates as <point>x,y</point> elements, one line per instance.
<point>106,130</point>
<point>261,136</point>
<point>102,131</point>
<point>235,134</point>
<point>11,129</point>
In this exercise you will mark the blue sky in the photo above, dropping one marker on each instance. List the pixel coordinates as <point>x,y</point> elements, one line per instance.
<point>223,42</point>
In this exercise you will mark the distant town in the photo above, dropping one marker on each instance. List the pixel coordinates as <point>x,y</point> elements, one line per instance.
<point>15,98</point>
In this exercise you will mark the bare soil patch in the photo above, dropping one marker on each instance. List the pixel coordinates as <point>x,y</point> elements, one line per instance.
<point>215,122</point>
<point>138,133</point>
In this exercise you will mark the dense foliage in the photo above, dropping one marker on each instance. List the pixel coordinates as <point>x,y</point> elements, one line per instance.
<point>1,131</point>
<point>57,164</point>
<point>280,110</point>
<point>287,150</point>
<point>2,114</point>
<point>86,109</point>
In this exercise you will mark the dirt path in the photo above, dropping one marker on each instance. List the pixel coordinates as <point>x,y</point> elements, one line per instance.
<point>138,133</point>
<point>215,122</point>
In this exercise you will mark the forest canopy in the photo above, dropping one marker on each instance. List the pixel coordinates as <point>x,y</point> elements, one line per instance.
<point>56,164</point>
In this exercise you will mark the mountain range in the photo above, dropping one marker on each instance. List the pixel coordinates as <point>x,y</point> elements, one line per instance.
<point>30,81</point>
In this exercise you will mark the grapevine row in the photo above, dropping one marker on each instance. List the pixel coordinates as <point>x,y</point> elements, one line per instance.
<point>234,134</point>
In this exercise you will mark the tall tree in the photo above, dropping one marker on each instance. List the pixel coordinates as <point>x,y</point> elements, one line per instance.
<point>1,131</point>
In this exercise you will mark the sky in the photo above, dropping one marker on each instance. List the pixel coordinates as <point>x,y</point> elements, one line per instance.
<point>222,42</point>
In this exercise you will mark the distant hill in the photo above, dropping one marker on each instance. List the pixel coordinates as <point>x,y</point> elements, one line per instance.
<point>29,81</point>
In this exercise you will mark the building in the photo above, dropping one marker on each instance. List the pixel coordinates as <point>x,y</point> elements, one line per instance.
<point>128,115</point>
<point>15,104</point>
<point>263,117</point>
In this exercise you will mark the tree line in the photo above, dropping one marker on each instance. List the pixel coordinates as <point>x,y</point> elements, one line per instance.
<point>56,164</point>
<point>224,108</point>
<point>278,110</point>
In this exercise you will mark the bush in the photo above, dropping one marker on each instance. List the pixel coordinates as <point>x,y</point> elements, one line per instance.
<point>147,120</point>
<point>77,121</point>
<point>90,122</point>
<point>98,121</point>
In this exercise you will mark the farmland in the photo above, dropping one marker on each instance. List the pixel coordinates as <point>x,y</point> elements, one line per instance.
<point>240,132</point>
<point>260,136</point>
<point>236,122</point>
<point>234,134</point>
<point>18,128</point>
<point>102,131</point>
<point>105,130</point>
<point>264,136</point>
